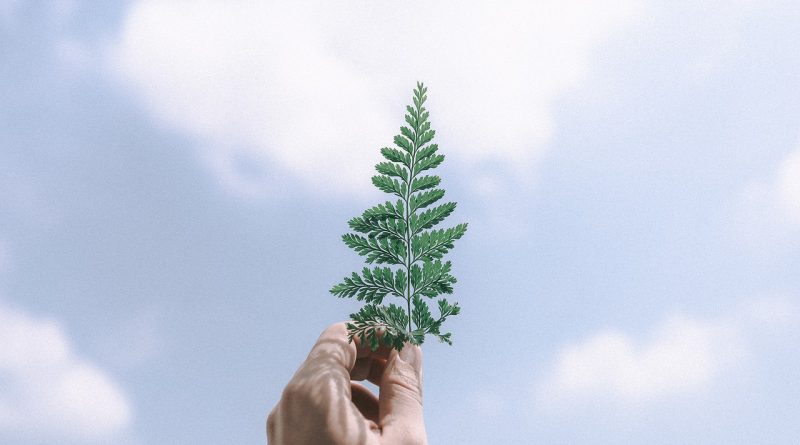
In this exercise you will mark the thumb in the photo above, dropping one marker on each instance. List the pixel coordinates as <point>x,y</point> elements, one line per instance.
<point>400,409</point>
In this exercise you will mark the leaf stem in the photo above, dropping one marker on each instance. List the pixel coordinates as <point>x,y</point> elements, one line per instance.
<point>407,215</point>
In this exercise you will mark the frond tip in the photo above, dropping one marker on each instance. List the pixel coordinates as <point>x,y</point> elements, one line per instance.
<point>401,234</point>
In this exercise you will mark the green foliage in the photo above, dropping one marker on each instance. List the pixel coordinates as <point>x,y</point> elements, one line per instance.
<point>397,233</point>
<point>372,285</point>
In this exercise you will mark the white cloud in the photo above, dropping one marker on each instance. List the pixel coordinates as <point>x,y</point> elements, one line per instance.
<point>46,390</point>
<point>769,214</point>
<point>788,186</point>
<point>680,356</point>
<point>316,87</point>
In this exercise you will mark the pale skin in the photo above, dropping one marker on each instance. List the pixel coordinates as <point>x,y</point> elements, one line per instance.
<point>323,404</point>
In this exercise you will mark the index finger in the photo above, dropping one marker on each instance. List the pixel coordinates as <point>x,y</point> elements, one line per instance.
<point>319,395</point>
<point>339,357</point>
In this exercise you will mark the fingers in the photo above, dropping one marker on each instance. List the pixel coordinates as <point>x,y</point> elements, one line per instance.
<point>323,380</point>
<point>369,364</point>
<point>272,426</point>
<point>376,371</point>
<point>321,401</point>
<point>332,345</point>
<point>368,368</point>
<point>318,404</point>
<point>344,361</point>
<point>365,351</point>
<point>400,405</point>
<point>334,341</point>
<point>366,402</point>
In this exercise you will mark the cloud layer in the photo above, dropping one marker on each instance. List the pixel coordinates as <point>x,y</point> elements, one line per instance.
<point>45,389</point>
<point>769,213</point>
<point>681,355</point>
<point>788,187</point>
<point>314,88</point>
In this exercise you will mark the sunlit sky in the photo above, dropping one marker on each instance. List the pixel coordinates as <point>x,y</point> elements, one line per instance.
<point>175,177</point>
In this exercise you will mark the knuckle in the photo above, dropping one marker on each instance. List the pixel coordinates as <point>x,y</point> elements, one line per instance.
<point>272,422</point>
<point>293,394</point>
<point>407,385</point>
<point>336,329</point>
<point>405,376</point>
<point>299,400</point>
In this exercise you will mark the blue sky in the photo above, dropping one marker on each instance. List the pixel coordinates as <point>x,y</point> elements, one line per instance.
<point>175,178</point>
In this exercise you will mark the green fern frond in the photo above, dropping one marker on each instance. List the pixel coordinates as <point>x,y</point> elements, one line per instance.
<point>431,217</point>
<point>372,285</point>
<point>397,233</point>
<point>379,228</point>
<point>434,244</point>
<point>424,183</point>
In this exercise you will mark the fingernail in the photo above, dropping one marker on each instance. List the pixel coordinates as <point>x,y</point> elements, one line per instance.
<point>412,355</point>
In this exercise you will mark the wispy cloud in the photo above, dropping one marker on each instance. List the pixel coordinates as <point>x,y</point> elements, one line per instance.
<point>787,187</point>
<point>681,355</point>
<point>778,197</point>
<point>769,213</point>
<point>314,88</point>
<point>49,391</point>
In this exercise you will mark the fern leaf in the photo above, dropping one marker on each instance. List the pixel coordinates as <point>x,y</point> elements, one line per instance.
<point>428,163</point>
<point>427,151</point>
<point>434,244</point>
<point>384,211</point>
<point>395,155</point>
<point>401,234</point>
<point>425,199</point>
<point>432,279</point>
<point>431,217</point>
<point>389,185</point>
<point>373,322</point>
<point>371,286</point>
<point>424,182</point>
<point>426,135</point>
<point>390,169</point>
<point>405,131</point>
<point>379,228</point>
<point>377,250</point>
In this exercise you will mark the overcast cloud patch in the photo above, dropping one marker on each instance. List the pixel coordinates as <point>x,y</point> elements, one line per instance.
<point>315,88</point>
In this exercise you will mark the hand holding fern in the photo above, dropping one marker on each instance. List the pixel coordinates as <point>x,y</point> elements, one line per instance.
<point>321,404</point>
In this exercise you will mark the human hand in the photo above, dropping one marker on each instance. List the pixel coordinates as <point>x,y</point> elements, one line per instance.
<point>321,404</point>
